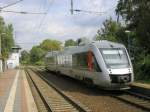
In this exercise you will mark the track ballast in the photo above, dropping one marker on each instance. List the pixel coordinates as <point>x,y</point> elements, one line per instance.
<point>55,100</point>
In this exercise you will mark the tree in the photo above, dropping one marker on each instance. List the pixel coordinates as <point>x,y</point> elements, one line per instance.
<point>2,25</point>
<point>25,57</point>
<point>6,35</point>
<point>36,55</point>
<point>50,45</point>
<point>136,13</point>
<point>111,31</point>
<point>7,40</point>
<point>70,42</point>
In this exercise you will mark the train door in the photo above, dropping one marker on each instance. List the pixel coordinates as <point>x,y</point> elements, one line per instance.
<point>92,62</point>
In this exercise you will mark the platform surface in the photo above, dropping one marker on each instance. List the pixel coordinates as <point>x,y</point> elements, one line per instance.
<point>15,93</point>
<point>142,85</point>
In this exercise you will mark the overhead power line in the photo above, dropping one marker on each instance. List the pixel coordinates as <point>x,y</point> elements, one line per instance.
<point>42,21</point>
<point>10,4</point>
<point>23,12</point>
<point>87,11</point>
<point>19,12</point>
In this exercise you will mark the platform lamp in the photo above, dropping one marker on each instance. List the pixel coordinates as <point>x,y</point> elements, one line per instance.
<point>1,62</point>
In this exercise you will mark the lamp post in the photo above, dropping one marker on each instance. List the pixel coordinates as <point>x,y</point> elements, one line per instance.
<point>128,32</point>
<point>1,62</point>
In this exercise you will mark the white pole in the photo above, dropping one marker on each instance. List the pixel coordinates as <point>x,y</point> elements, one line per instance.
<point>0,56</point>
<point>1,69</point>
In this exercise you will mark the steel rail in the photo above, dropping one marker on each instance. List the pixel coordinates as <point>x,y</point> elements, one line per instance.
<point>76,105</point>
<point>135,99</point>
<point>38,91</point>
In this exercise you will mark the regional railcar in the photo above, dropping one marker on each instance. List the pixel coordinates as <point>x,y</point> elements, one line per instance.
<point>102,63</point>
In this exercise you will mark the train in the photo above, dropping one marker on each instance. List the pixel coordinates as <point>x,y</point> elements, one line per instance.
<point>102,63</point>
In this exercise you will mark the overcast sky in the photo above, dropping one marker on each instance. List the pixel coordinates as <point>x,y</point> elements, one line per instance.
<point>58,23</point>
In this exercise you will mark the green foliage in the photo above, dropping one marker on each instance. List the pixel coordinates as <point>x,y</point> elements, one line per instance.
<point>36,54</point>
<point>143,68</point>
<point>137,14</point>
<point>25,57</point>
<point>7,41</point>
<point>109,30</point>
<point>39,63</point>
<point>50,45</point>
<point>6,35</point>
<point>70,42</point>
<point>2,25</point>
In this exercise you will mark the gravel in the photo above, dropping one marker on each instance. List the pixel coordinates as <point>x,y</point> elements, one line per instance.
<point>96,99</point>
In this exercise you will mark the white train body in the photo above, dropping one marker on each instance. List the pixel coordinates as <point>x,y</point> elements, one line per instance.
<point>102,63</point>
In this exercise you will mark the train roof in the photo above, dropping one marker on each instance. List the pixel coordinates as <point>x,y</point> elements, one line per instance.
<point>86,47</point>
<point>98,44</point>
<point>107,44</point>
<point>51,53</point>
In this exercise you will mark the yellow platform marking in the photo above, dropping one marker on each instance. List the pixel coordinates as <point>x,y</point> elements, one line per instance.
<point>11,98</point>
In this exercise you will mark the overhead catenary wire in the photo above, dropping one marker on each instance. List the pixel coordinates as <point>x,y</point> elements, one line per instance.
<point>19,12</point>
<point>42,21</point>
<point>14,3</point>
<point>22,12</point>
<point>89,11</point>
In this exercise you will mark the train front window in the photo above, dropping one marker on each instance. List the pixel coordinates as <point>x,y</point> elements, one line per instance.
<point>115,58</point>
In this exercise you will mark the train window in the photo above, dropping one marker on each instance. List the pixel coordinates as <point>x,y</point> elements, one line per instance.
<point>80,61</point>
<point>51,60</point>
<point>96,66</point>
<point>115,57</point>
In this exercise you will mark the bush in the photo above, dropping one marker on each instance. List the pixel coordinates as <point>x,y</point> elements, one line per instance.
<point>142,68</point>
<point>39,63</point>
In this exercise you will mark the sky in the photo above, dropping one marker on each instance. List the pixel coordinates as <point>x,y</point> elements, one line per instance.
<point>58,23</point>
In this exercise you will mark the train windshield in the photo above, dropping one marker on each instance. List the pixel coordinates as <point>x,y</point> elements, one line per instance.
<point>115,57</point>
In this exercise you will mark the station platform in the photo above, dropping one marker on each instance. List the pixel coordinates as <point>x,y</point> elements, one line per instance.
<point>142,88</point>
<point>15,93</point>
<point>142,85</point>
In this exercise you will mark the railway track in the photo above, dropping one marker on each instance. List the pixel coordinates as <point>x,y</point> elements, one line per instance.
<point>131,98</point>
<point>135,99</point>
<point>54,99</point>
<point>39,100</point>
